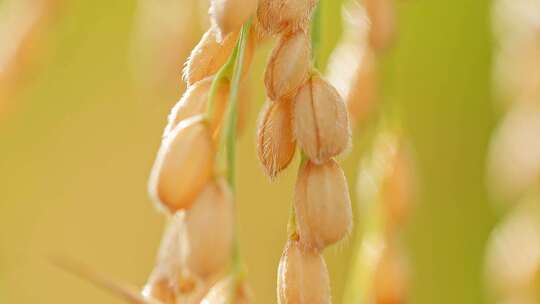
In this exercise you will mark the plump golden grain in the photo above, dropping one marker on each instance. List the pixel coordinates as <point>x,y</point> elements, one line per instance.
<point>184,164</point>
<point>288,66</point>
<point>382,16</point>
<point>322,204</point>
<point>302,277</point>
<point>275,139</point>
<point>209,230</point>
<point>391,277</point>
<point>276,16</point>
<point>195,102</point>
<point>228,290</point>
<point>228,16</point>
<point>321,120</point>
<point>210,55</point>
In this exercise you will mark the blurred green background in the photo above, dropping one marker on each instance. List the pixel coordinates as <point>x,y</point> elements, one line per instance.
<point>78,145</point>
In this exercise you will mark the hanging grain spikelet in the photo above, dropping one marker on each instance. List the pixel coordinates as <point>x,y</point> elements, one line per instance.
<point>164,281</point>
<point>228,290</point>
<point>228,16</point>
<point>391,276</point>
<point>322,204</point>
<point>209,230</point>
<point>276,16</point>
<point>321,120</point>
<point>184,165</point>
<point>382,15</point>
<point>289,65</point>
<point>302,277</point>
<point>210,55</point>
<point>195,102</point>
<point>275,139</point>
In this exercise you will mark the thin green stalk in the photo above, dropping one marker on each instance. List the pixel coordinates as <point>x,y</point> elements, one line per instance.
<point>316,34</point>
<point>227,145</point>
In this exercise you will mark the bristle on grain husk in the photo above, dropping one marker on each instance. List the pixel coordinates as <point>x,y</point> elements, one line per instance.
<point>276,144</point>
<point>277,16</point>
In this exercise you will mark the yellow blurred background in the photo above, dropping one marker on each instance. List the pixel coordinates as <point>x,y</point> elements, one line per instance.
<point>80,135</point>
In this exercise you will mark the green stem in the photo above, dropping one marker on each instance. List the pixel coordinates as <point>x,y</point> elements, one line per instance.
<point>316,34</point>
<point>227,144</point>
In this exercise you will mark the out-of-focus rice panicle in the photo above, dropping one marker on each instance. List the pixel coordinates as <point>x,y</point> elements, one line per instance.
<point>382,18</point>
<point>352,66</point>
<point>228,290</point>
<point>184,165</point>
<point>514,160</point>
<point>165,32</point>
<point>517,76</point>
<point>22,27</point>
<point>276,144</point>
<point>391,277</point>
<point>513,254</point>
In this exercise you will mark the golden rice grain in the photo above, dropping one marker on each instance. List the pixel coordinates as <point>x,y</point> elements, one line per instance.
<point>228,16</point>
<point>289,65</point>
<point>195,102</point>
<point>184,164</point>
<point>276,16</point>
<point>275,139</point>
<point>209,230</point>
<point>302,277</point>
<point>321,120</point>
<point>210,55</point>
<point>322,204</point>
